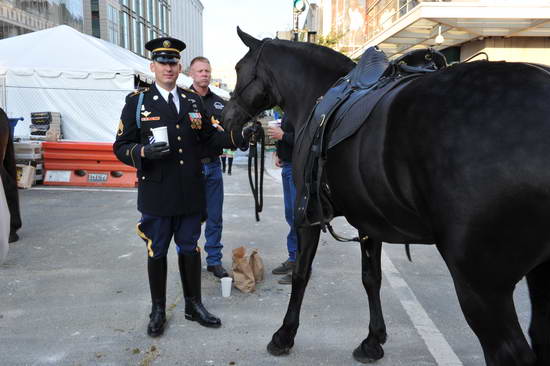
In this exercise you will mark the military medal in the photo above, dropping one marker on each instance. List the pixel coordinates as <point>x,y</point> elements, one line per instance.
<point>196,120</point>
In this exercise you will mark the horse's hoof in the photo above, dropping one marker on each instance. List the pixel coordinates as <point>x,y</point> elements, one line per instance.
<point>367,354</point>
<point>276,351</point>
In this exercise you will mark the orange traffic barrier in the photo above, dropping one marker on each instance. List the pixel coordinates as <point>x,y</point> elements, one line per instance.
<point>85,164</point>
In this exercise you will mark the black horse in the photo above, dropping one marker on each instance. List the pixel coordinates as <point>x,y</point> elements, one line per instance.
<point>8,174</point>
<point>462,161</point>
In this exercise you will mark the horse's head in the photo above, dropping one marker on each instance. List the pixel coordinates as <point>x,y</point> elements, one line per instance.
<point>253,92</point>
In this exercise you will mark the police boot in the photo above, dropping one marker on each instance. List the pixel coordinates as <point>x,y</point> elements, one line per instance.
<point>157,269</point>
<point>190,271</point>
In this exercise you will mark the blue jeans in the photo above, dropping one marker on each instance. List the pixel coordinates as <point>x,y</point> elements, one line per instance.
<point>214,207</point>
<point>289,193</point>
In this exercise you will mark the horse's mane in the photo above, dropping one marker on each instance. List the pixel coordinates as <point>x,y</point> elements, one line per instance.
<point>321,56</point>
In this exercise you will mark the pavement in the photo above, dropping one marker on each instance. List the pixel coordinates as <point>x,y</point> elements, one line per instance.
<point>74,291</point>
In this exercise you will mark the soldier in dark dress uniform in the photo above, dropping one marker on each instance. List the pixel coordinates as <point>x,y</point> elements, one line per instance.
<point>171,184</point>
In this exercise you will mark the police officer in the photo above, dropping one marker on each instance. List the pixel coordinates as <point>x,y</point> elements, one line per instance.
<point>171,186</point>
<point>200,72</point>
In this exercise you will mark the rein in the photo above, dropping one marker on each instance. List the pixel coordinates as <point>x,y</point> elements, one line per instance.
<point>255,179</point>
<point>258,137</point>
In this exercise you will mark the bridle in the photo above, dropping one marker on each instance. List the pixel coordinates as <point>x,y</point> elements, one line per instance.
<point>257,137</point>
<point>237,96</point>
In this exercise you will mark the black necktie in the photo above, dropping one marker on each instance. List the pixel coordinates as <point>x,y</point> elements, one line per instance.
<point>172,104</point>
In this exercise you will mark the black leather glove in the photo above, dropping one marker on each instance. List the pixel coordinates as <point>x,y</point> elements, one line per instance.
<point>247,133</point>
<point>157,150</point>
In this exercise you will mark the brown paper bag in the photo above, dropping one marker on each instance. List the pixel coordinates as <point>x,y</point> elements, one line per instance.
<point>257,266</point>
<point>247,269</point>
<point>243,277</point>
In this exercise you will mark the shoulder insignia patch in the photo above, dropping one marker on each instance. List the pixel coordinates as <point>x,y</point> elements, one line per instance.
<point>120,128</point>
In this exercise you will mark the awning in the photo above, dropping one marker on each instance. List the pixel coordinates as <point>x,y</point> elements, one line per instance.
<point>460,22</point>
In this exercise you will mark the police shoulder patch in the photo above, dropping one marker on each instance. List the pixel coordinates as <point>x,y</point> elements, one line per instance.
<point>120,130</point>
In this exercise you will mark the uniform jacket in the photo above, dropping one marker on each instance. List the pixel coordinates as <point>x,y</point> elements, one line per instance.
<point>214,105</point>
<point>173,185</point>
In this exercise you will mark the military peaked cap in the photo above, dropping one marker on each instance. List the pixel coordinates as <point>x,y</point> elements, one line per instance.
<point>165,49</point>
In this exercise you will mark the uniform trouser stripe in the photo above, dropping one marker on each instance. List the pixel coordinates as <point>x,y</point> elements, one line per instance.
<point>147,240</point>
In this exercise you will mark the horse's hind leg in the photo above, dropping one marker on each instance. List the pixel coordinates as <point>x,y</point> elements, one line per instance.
<point>283,340</point>
<point>539,329</point>
<point>371,348</point>
<point>489,310</point>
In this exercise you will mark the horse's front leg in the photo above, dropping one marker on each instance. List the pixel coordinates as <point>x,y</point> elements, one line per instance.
<point>283,340</point>
<point>371,270</point>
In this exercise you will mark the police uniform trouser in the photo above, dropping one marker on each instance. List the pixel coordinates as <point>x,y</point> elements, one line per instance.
<point>157,232</point>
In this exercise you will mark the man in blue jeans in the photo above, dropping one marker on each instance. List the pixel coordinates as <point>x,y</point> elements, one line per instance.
<point>283,158</point>
<point>200,72</point>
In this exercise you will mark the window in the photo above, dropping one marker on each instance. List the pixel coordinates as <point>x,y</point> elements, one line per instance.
<point>137,36</point>
<point>112,24</point>
<point>150,8</point>
<point>137,7</point>
<point>124,30</point>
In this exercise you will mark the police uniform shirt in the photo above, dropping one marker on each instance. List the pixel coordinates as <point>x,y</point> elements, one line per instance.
<point>214,105</point>
<point>173,185</point>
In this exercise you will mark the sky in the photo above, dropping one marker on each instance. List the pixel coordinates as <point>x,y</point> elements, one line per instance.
<point>260,19</point>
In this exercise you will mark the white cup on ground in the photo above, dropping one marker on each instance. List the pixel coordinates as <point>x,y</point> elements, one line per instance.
<point>226,286</point>
<point>160,134</point>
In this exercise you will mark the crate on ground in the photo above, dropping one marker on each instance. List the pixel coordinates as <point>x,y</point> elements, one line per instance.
<point>46,118</point>
<point>45,126</point>
<point>28,150</point>
<point>26,175</point>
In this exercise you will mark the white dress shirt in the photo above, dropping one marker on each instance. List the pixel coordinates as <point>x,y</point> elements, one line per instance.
<point>165,94</point>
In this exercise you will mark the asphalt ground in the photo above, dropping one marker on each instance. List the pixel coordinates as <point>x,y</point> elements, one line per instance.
<point>74,291</point>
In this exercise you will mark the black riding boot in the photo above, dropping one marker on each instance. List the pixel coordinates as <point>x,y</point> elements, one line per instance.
<point>190,271</point>
<point>157,269</point>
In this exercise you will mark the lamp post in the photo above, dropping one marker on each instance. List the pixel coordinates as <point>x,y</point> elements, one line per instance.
<point>298,8</point>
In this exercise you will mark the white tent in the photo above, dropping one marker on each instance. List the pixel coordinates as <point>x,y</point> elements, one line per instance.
<point>62,70</point>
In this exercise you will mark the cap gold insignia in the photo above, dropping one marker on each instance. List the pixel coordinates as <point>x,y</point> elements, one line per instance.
<point>166,44</point>
<point>120,128</point>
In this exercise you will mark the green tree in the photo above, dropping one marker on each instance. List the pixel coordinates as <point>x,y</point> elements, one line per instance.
<point>330,40</point>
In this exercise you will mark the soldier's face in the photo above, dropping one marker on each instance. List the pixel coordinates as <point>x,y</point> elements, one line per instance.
<point>201,73</point>
<point>166,73</point>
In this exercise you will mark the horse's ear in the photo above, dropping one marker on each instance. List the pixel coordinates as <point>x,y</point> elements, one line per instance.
<point>247,39</point>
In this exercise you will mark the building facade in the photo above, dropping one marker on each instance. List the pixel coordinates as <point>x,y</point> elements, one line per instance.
<point>19,16</point>
<point>187,25</point>
<point>511,30</point>
<point>127,23</point>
